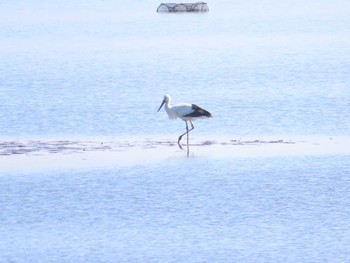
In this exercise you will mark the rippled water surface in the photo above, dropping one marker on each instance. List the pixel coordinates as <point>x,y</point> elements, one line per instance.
<point>286,209</point>
<point>102,68</point>
<point>74,73</point>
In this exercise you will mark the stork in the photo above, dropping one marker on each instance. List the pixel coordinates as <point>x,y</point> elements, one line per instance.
<point>186,112</point>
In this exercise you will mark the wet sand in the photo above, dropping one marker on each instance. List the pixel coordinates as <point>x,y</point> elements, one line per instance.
<point>60,153</point>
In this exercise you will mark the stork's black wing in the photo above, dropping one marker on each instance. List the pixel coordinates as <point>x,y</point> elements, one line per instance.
<point>198,112</point>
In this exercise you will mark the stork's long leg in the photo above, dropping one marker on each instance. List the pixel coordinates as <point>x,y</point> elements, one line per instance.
<point>180,137</point>
<point>187,131</point>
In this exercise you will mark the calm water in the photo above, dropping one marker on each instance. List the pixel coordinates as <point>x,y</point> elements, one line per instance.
<point>263,68</point>
<point>195,210</point>
<point>101,68</point>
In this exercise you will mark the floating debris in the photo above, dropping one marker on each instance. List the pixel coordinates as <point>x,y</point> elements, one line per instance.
<point>183,7</point>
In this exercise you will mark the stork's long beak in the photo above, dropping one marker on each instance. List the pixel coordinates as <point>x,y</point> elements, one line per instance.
<point>161,105</point>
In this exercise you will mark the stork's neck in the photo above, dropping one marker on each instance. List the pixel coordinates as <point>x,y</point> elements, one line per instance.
<point>169,111</point>
<point>167,105</point>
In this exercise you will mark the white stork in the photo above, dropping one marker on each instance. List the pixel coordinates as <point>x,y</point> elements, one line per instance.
<point>186,112</point>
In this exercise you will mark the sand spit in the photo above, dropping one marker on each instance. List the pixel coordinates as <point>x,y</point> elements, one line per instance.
<point>43,147</point>
<point>29,154</point>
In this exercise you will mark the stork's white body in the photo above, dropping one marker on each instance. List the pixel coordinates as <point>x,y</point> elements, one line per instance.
<point>180,111</point>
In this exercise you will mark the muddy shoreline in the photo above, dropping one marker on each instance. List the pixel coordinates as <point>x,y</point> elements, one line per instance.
<point>24,154</point>
<point>41,147</point>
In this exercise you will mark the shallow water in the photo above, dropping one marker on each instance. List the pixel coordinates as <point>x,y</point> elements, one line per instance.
<point>261,68</point>
<point>263,209</point>
<point>90,172</point>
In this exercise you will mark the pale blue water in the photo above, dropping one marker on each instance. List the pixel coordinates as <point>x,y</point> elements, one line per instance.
<point>101,68</point>
<point>242,210</point>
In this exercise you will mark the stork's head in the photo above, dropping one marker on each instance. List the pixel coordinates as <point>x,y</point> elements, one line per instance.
<point>165,100</point>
